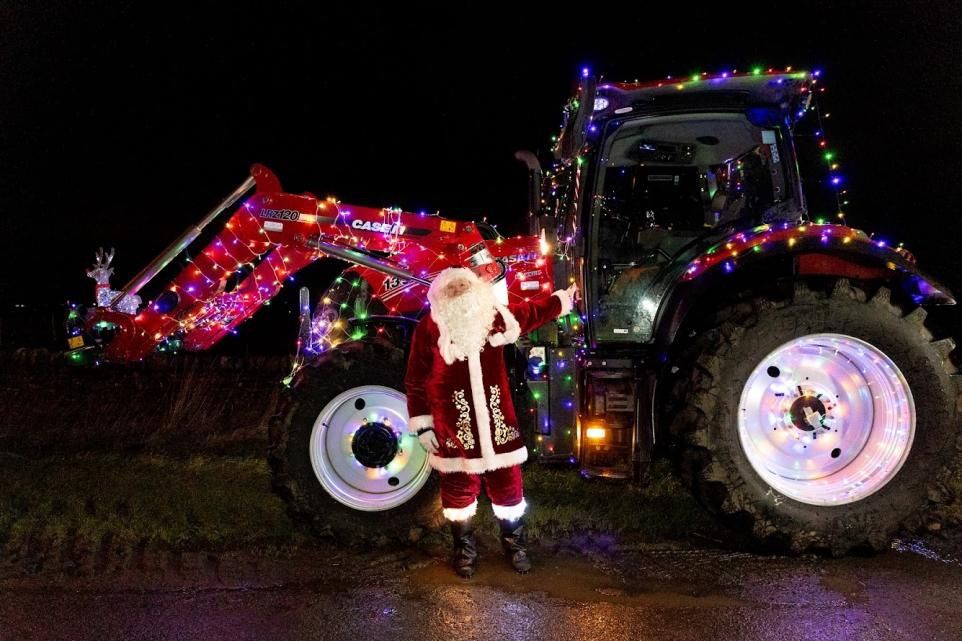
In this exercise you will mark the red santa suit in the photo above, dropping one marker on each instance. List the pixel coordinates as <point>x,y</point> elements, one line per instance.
<point>467,401</point>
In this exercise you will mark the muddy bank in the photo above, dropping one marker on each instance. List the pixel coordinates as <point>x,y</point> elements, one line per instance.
<point>172,404</point>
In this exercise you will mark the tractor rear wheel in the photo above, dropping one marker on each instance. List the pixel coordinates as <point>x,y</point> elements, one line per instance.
<point>826,422</point>
<point>340,452</point>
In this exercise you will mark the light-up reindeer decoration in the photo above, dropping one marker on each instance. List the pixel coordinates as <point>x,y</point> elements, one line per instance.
<point>101,273</point>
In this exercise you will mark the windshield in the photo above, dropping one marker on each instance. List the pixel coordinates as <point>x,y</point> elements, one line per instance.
<point>688,173</point>
<point>664,181</point>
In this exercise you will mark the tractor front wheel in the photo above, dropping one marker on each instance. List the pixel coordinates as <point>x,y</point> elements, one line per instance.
<point>340,452</point>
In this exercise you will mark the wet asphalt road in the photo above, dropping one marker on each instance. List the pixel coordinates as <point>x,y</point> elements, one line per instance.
<point>326,593</point>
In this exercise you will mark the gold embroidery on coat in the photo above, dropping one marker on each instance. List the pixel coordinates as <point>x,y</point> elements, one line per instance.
<point>502,432</point>
<point>464,420</point>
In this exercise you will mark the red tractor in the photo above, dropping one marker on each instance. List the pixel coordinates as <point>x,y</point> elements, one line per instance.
<point>786,364</point>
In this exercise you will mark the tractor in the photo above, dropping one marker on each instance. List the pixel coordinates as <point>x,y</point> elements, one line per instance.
<point>785,363</point>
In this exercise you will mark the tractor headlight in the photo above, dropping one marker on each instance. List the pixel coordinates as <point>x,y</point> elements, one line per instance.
<point>596,432</point>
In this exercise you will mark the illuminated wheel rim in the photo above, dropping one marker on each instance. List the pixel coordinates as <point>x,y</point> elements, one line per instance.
<point>348,452</point>
<point>826,419</point>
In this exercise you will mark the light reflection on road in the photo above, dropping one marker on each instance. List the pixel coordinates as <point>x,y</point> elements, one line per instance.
<point>912,592</point>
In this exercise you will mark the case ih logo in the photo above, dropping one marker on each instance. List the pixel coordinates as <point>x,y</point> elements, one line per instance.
<point>280,214</point>
<point>384,228</point>
<point>521,258</point>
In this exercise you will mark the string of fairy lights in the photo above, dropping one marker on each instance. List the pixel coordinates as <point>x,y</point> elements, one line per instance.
<point>211,315</point>
<point>812,86</point>
<point>742,247</point>
<point>829,155</point>
<point>341,304</point>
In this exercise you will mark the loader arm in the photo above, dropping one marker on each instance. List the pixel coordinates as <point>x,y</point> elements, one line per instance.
<point>269,238</point>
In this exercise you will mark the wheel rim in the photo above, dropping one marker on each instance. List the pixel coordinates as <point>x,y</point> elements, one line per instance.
<point>826,419</point>
<point>350,446</point>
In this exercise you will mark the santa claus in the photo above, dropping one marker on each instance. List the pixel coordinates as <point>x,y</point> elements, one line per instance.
<point>459,401</point>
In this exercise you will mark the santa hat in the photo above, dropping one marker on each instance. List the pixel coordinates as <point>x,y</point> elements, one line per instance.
<point>436,292</point>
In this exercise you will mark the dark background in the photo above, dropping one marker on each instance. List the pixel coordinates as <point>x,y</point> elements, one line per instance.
<point>119,126</point>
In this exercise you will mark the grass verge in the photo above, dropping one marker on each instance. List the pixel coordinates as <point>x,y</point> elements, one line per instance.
<point>207,503</point>
<point>562,504</point>
<point>143,500</point>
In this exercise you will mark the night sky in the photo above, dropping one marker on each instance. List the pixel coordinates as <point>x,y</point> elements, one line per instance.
<point>119,127</point>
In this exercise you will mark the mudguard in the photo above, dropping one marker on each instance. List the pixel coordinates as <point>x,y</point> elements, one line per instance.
<point>787,249</point>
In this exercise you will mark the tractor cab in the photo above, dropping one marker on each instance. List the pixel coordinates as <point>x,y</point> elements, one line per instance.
<point>660,168</point>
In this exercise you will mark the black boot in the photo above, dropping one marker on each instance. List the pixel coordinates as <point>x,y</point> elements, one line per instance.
<point>465,548</point>
<point>515,544</point>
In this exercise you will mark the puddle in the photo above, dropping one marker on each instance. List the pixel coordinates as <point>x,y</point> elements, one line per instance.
<point>920,548</point>
<point>574,578</point>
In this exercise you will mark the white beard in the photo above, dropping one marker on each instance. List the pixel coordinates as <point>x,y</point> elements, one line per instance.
<point>467,319</point>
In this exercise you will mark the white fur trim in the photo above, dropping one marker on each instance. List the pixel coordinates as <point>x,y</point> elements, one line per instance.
<point>496,340</point>
<point>416,423</point>
<point>512,330</point>
<point>478,465</point>
<point>461,513</point>
<point>444,277</point>
<point>509,512</point>
<point>566,303</point>
<point>501,291</point>
<point>481,416</point>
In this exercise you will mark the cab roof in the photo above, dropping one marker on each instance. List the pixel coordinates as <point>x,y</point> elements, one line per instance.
<point>786,90</point>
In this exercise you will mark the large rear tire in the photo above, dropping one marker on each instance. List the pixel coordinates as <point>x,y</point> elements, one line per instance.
<point>340,453</point>
<point>780,435</point>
